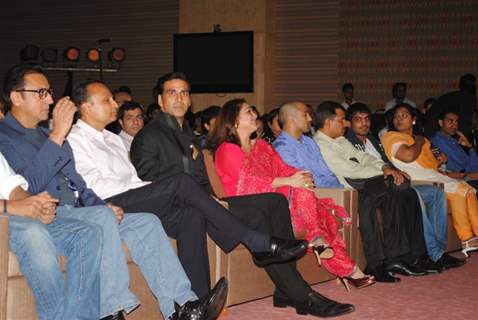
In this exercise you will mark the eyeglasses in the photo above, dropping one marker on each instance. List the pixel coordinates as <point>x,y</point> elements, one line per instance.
<point>42,92</point>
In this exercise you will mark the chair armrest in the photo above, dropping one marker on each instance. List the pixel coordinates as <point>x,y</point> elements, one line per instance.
<point>3,265</point>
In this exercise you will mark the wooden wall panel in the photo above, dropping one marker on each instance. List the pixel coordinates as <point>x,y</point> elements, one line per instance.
<point>305,51</point>
<point>143,27</point>
<point>427,44</point>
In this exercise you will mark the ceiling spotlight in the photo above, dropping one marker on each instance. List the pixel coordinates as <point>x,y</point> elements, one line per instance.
<point>93,55</point>
<point>29,53</point>
<point>71,54</point>
<point>117,55</point>
<point>49,55</point>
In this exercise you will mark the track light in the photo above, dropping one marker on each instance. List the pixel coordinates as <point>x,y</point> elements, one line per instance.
<point>29,53</point>
<point>117,55</point>
<point>93,55</point>
<point>71,54</point>
<point>49,55</point>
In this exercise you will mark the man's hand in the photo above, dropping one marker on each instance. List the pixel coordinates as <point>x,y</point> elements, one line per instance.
<point>41,207</point>
<point>455,175</point>
<point>302,179</point>
<point>463,140</point>
<point>398,176</point>
<point>63,114</point>
<point>119,213</point>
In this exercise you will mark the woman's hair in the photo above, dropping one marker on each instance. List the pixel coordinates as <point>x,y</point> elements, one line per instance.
<point>413,112</point>
<point>225,127</point>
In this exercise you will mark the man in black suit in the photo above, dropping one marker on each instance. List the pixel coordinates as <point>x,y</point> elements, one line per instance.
<point>166,146</point>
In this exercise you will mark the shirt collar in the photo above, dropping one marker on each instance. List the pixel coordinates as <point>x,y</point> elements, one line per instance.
<point>126,135</point>
<point>288,138</point>
<point>89,130</point>
<point>320,135</point>
<point>13,123</point>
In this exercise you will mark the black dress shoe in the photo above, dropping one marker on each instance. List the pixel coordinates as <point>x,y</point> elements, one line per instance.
<point>281,250</point>
<point>381,275</point>
<point>207,308</point>
<point>447,261</point>
<point>405,270</point>
<point>428,265</point>
<point>316,304</point>
<point>116,316</point>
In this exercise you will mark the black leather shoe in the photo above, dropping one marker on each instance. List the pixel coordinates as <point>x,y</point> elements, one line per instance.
<point>447,261</point>
<point>428,265</point>
<point>207,308</point>
<point>405,270</point>
<point>281,250</point>
<point>116,316</point>
<point>316,305</point>
<point>381,275</point>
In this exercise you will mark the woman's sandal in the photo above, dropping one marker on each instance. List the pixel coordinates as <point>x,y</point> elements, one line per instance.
<point>321,249</point>
<point>469,246</point>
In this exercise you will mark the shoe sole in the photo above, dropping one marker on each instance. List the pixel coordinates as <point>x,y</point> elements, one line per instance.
<point>216,302</point>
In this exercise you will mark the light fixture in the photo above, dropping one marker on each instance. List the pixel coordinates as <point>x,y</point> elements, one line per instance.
<point>117,55</point>
<point>71,54</point>
<point>29,53</point>
<point>93,55</point>
<point>49,55</point>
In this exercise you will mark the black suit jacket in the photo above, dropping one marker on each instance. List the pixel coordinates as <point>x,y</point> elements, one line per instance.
<point>162,149</point>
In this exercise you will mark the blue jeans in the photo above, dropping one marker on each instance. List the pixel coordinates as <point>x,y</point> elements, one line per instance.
<point>435,219</point>
<point>150,249</point>
<point>37,247</point>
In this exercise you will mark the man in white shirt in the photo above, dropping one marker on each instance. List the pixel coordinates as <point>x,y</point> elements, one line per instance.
<point>397,243</point>
<point>37,237</point>
<point>399,93</point>
<point>186,210</point>
<point>131,120</point>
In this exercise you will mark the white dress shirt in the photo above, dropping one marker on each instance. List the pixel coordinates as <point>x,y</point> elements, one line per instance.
<point>9,180</point>
<point>127,139</point>
<point>102,160</point>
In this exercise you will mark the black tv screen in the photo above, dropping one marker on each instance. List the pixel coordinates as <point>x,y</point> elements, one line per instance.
<point>216,62</point>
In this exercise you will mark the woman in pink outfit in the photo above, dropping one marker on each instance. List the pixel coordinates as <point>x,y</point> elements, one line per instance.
<point>248,166</point>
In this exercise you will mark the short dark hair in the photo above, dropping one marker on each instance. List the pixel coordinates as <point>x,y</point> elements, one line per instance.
<point>168,77</point>
<point>15,79</point>
<point>346,86</point>
<point>269,117</point>
<point>125,89</point>
<point>355,108</point>
<point>447,111</point>
<point>467,83</point>
<point>325,110</point>
<point>127,106</point>
<point>207,115</point>
<point>79,93</point>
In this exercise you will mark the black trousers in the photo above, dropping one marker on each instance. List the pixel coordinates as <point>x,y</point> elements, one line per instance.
<point>390,221</point>
<point>269,213</point>
<point>187,212</point>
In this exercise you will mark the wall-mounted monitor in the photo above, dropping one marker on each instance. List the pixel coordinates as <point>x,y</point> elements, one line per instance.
<point>216,62</point>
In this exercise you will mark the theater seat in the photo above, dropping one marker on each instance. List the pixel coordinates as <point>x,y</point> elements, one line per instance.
<point>248,282</point>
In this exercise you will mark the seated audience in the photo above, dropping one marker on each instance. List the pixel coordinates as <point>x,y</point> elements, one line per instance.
<point>45,160</point>
<point>247,166</point>
<point>156,152</point>
<point>413,155</point>
<point>272,128</point>
<point>399,93</point>
<point>131,120</point>
<point>462,159</point>
<point>187,210</point>
<point>463,102</point>
<point>434,210</point>
<point>397,244</point>
<point>208,119</point>
<point>348,93</point>
<point>37,236</point>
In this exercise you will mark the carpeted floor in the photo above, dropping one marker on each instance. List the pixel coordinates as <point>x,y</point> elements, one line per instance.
<point>452,294</point>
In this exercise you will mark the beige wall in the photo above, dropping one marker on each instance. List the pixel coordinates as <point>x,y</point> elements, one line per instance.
<point>233,15</point>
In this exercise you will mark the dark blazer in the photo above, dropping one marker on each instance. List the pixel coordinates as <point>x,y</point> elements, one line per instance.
<point>40,166</point>
<point>162,148</point>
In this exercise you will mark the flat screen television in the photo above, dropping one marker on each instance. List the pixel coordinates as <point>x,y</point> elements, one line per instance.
<point>216,62</point>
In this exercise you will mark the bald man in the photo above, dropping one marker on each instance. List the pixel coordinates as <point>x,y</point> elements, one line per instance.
<point>299,150</point>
